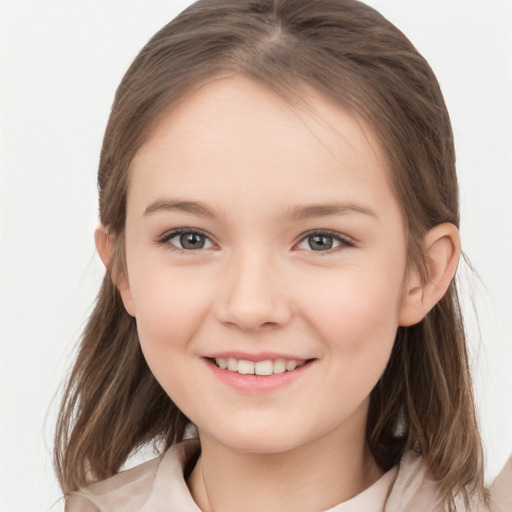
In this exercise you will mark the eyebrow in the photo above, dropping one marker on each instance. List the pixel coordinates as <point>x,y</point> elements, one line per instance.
<point>194,207</point>
<point>303,212</point>
<point>300,212</point>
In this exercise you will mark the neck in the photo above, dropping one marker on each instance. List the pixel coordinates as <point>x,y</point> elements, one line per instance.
<point>314,476</point>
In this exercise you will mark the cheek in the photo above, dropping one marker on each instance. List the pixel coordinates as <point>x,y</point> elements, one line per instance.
<point>169,309</point>
<point>354,301</point>
<point>357,320</point>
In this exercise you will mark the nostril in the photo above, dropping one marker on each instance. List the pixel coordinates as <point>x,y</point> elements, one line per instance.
<point>268,325</point>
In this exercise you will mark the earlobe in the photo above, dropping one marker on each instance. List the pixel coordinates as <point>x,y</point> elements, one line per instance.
<point>442,253</point>
<point>104,245</point>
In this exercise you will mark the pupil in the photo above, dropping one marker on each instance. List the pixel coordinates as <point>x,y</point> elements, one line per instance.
<point>320,242</point>
<point>192,241</point>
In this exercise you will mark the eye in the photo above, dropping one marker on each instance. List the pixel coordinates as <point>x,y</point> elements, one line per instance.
<point>323,241</point>
<point>188,240</point>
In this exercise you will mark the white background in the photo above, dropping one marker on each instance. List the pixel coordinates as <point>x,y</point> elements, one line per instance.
<point>60,64</point>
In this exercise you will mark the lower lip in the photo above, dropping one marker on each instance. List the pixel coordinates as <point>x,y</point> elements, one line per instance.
<point>257,383</point>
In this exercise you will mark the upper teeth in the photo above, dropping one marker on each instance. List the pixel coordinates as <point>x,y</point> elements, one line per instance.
<point>267,367</point>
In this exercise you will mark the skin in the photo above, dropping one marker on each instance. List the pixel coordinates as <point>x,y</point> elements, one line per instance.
<point>258,286</point>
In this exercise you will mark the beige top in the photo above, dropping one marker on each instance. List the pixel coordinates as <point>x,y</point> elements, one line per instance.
<point>159,486</point>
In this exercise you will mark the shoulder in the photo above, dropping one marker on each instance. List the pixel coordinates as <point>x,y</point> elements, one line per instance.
<point>501,490</point>
<point>133,485</point>
<point>131,490</point>
<point>416,490</point>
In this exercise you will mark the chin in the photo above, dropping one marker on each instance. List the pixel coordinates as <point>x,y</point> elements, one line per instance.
<point>261,446</point>
<point>259,441</point>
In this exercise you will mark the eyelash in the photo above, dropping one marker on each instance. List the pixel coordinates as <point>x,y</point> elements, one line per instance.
<point>167,237</point>
<point>343,240</point>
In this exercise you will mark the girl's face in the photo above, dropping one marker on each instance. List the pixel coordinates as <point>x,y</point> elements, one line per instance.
<point>264,236</point>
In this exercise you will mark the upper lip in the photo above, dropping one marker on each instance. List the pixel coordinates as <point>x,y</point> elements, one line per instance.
<point>260,356</point>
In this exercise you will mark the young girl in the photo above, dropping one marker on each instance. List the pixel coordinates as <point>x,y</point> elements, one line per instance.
<point>279,224</point>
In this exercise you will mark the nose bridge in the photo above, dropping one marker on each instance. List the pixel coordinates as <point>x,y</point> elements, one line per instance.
<point>253,296</point>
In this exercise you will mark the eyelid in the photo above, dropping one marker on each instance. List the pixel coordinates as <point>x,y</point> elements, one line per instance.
<point>168,235</point>
<point>344,240</point>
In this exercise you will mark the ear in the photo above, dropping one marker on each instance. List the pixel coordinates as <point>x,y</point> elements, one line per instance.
<point>442,253</point>
<point>104,245</point>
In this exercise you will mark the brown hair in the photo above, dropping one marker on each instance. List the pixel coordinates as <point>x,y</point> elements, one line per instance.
<point>347,51</point>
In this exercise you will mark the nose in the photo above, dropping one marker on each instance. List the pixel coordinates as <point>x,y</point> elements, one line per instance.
<point>253,295</point>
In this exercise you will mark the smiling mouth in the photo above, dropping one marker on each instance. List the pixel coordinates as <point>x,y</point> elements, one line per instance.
<point>263,368</point>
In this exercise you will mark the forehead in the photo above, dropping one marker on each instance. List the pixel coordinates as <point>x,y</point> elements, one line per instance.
<point>237,134</point>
